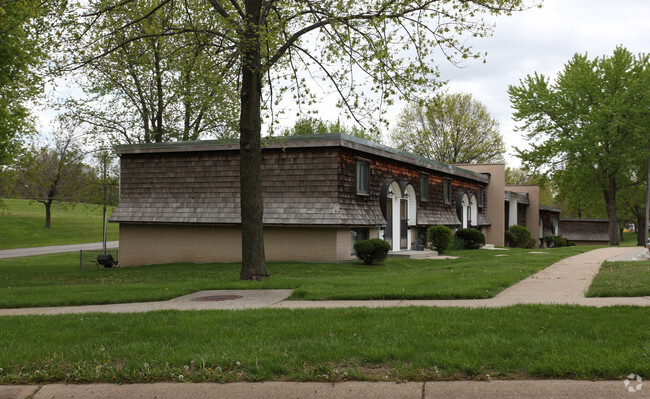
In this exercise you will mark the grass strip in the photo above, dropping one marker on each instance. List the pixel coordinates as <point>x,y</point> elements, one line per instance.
<point>621,279</point>
<point>55,280</point>
<point>22,224</point>
<point>395,344</point>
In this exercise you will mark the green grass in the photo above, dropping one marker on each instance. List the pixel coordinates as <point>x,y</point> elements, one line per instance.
<point>621,279</point>
<point>629,240</point>
<point>55,280</point>
<point>22,224</point>
<point>396,344</point>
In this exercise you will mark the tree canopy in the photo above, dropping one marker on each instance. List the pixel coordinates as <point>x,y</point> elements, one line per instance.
<point>450,128</point>
<point>309,126</point>
<point>368,53</point>
<point>25,40</point>
<point>48,173</point>
<point>143,84</point>
<point>588,128</point>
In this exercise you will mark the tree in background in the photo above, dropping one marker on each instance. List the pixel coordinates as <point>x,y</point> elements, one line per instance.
<point>309,126</point>
<point>579,195</point>
<point>145,81</point>
<point>589,126</point>
<point>50,173</point>
<point>350,44</point>
<point>450,128</point>
<point>631,204</point>
<point>25,41</point>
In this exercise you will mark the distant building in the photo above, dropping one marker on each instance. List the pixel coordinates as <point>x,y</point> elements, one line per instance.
<point>549,221</point>
<point>585,231</point>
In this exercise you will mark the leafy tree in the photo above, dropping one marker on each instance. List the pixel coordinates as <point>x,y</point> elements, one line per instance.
<point>631,200</point>
<point>451,128</point>
<point>152,86</point>
<point>309,126</point>
<point>589,126</point>
<point>50,173</point>
<point>386,46</point>
<point>25,40</point>
<point>578,194</point>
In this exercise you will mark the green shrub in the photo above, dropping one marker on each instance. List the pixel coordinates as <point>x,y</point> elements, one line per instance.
<point>472,238</point>
<point>457,244</point>
<point>557,242</point>
<point>439,238</point>
<point>509,239</point>
<point>373,250</point>
<point>521,237</point>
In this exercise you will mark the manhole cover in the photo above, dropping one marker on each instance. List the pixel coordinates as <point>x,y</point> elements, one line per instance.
<point>217,298</point>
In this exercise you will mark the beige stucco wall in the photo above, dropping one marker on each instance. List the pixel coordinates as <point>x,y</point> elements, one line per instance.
<point>494,234</point>
<point>532,211</point>
<point>152,244</point>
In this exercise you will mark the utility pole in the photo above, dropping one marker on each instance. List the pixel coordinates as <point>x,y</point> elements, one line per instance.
<point>104,156</point>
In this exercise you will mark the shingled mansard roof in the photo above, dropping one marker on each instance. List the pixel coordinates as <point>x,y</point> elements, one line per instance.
<point>198,182</point>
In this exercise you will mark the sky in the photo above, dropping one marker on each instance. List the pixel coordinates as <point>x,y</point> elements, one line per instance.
<point>536,40</point>
<point>544,40</point>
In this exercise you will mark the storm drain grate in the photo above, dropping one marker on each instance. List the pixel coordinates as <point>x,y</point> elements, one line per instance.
<point>214,298</point>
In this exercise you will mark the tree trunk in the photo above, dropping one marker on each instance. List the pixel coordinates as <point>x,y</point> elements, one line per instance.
<point>48,213</point>
<point>640,236</point>
<point>250,125</point>
<point>611,212</point>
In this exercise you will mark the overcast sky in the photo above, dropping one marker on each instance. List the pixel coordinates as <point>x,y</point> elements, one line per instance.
<point>543,40</point>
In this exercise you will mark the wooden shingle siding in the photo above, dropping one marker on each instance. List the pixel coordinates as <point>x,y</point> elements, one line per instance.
<point>300,187</point>
<point>305,181</point>
<point>433,211</point>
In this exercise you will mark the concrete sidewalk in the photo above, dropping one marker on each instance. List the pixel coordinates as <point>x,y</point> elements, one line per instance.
<point>345,390</point>
<point>55,249</point>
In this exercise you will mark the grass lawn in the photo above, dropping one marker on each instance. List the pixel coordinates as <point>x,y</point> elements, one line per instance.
<point>54,280</point>
<point>622,279</point>
<point>22,221</point>
<point>629,240</point>
<point>395,344</point>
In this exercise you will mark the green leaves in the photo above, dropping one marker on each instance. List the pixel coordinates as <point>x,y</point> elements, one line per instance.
<point>588,127</point>
<point>452,128</point>
<point>25,40</point>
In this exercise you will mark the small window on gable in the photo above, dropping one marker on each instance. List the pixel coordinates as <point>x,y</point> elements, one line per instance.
<point>424,187</point>
<point>447,191</point>
<point>363,177</point>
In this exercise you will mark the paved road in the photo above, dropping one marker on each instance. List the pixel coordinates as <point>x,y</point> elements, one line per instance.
<point>20,252</point>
